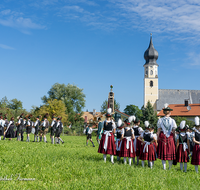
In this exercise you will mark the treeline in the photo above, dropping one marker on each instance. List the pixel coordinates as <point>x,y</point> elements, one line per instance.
<point>63,100</point>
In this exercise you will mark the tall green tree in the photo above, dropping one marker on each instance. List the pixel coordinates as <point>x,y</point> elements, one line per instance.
<point>133,110</point>
<point>72,96</point>
<point>104,106</point>
<point>149,115</point>
<point>15,104</point>
<point>4,102</point>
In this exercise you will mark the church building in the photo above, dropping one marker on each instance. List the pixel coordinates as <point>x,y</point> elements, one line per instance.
<point>158,97</point>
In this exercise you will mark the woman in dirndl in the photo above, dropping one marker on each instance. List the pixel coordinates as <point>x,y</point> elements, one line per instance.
<point>107,143</point>
<point>148,149</point>
<point>118,141</point>
<point>196,149</point>
<point>137,143</point>
<point>127,146</point>
<point>10,129</point>
<point>166,137</point>
<point>182,146</point>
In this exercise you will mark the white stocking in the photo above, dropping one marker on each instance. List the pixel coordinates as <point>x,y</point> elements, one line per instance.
<point>104,157</point>
<point>164,164</point>
<point>125,160</point>
<point>151,164</point>
<point>112,158</point>
<point>129,161</point>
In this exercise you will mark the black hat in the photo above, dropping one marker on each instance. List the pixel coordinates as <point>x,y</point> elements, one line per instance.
<point>167,108</point>
<point>127,122</point>
<point>136,120</point>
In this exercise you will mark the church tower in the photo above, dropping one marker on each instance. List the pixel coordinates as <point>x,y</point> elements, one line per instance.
<point>151,75</point>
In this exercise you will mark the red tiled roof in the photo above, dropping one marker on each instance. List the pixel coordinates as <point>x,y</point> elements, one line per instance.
<point>181,110</point>
<point>122,113</point>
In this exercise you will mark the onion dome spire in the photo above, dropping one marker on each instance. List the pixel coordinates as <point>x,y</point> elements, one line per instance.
<point>151,54</point>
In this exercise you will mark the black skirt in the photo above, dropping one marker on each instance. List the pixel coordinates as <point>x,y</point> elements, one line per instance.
<point>10,133</point>
<point>1,131</point>
<point>28,129</point>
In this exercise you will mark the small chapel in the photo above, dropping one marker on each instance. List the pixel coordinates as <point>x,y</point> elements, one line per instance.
<point>158,97</point>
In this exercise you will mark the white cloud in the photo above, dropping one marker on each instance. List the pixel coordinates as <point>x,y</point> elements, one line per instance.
<point>194,59</point>
<point>162,16</point>
<point>6,47</point>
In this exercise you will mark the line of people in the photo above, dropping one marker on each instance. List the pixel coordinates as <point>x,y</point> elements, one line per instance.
<point>171,143</point>
<point>38,128</point>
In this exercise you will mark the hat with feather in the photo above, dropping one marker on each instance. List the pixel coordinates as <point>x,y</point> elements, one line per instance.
<point>109,112</point>
<point>167,108</point>
<point>136,120</point>
<point>196,121</point>
<point>119,123</point>
<point>182,125</point>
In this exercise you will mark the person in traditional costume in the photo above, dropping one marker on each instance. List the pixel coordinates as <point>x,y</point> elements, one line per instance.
<point>107,143</point>
<point>9,133</point>
<point>28,127</point>
<point>137,143</point>
<point>196,149</point>
<point>100,130</point>
<point>23,128</point>
<point>148,149</point>
<point>44,129</point>
<point>127,146</point>
<point>2,122</point>
<point>182,146</point>
<point>166,134</point>
<point>5,124</point>
<point>59,128</point>
<point>191,134</point>
<point>118,141</point>
<point>89,135</point>
<point>53,129</point>
<point>19,127</point>
<point>36,126</point>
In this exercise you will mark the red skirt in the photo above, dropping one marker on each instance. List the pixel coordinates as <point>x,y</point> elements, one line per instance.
<point>138,147</point>
<point>117,152</point>
<point>111,147</point>
<point>182,156</point>
<point>150,155</point>
<point>127,152</point>
<point>196,155</point>
<point>166,147</point>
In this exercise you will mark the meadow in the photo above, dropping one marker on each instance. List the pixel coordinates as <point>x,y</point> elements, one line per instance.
<point>73,165</point>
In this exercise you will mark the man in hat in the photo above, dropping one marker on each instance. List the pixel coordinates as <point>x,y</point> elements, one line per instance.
<point>44,130</point>
<point>166,134</point>
<point>19,127</point>
<point>59,128</point>
<point>2,122</point>
<point>6,122</point>
<point>137,144</point>
<point>53,129</point>
<point>36,126</point>
<point>89,135</point>
<point>99,131</point>
<point>23,128</point>
<point>28,128</point>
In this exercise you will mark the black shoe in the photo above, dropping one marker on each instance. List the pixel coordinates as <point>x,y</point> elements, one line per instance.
<point>63,142</point>
<point>93,146</point>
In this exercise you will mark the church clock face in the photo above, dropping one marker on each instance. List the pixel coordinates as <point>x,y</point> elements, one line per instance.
<point>151,72</point>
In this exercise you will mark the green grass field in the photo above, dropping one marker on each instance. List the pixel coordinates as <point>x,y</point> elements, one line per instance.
<point>73,165</point>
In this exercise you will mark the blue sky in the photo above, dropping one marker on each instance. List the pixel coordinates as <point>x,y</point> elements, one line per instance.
<point>94,44</point>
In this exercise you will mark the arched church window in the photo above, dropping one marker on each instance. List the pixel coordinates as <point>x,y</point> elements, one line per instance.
<point>151,83</point>
<point>151,73</point>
